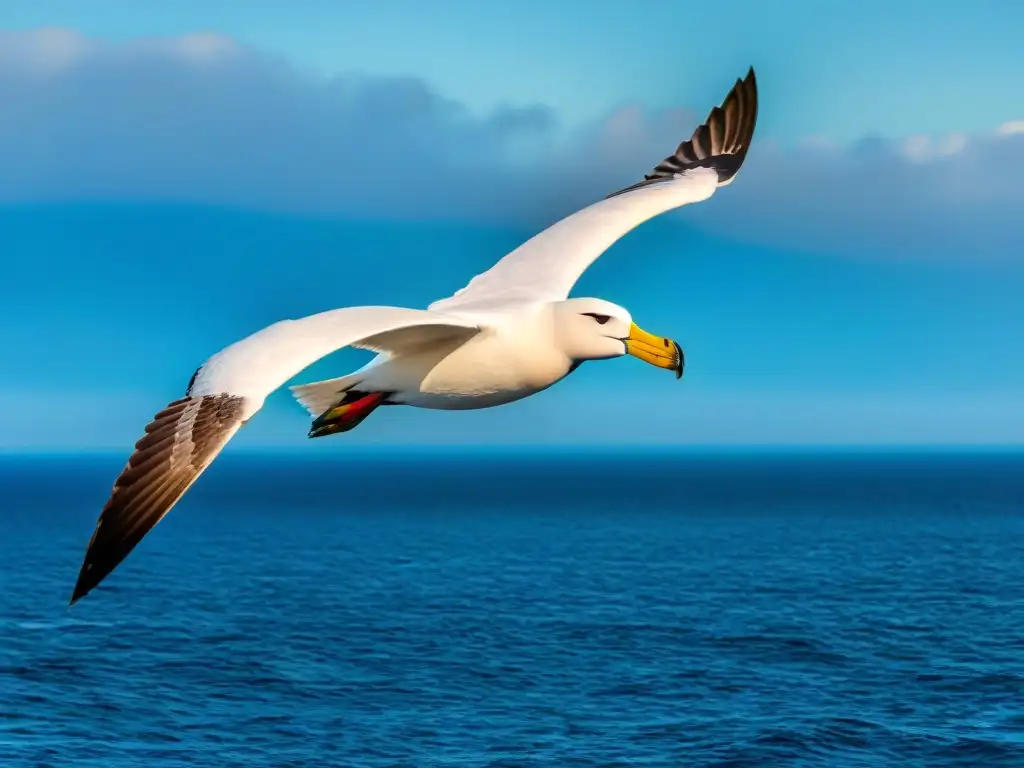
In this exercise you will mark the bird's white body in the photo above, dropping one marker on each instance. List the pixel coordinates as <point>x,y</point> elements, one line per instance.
<point>510,358</point>
<point>511,332</point>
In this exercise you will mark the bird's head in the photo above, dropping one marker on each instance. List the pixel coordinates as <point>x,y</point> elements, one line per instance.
<point>595,329</point>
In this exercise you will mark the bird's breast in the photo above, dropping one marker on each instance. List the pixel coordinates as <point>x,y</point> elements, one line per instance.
<point>487,371</point>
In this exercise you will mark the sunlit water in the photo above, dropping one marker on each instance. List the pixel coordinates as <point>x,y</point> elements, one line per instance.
<point>588,611</point>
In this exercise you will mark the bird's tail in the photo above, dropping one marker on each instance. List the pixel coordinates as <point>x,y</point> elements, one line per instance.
<point>319,396</point>
<point>720,143</point>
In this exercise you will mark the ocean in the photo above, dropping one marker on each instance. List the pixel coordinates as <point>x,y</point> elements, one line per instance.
<point>548,609</point>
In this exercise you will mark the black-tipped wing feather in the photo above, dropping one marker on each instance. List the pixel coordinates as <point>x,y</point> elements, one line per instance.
<point>720,143</point>
<point>180,442</point>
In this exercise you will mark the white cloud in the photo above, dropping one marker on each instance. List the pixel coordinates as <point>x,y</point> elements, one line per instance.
<point>952,144</point>
<point>204,46</point>
<point>42,51</point>
<point>202,119</point>
<point>917,147</point>
<point>922,148</point>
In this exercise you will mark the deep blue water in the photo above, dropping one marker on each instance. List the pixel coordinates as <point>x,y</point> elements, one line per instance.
<point>548,611</point>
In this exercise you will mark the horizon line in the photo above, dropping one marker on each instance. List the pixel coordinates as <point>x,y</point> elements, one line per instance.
<point>498,450</point>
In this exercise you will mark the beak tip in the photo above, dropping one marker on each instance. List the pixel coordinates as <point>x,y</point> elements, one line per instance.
<point>682,361</point>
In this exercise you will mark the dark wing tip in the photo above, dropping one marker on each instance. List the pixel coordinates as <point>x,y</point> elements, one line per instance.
<point>180,442</point>
<point>81,590</point>
<point>85,584</point>
<point>739,113</point>
<point>720,142</point>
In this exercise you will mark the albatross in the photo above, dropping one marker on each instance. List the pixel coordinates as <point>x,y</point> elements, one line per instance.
<point>511,332</point>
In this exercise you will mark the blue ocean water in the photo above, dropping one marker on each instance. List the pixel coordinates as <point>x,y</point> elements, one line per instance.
<point>553,610</point>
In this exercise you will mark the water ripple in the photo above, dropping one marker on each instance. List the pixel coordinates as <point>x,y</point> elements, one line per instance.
<point>704,631</point>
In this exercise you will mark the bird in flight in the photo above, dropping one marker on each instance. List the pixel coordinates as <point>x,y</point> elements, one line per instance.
<point>510,333</point>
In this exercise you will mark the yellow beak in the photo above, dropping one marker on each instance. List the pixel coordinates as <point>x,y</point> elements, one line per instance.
<point>656,350</point>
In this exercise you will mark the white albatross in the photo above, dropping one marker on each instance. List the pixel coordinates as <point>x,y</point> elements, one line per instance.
<point>510,333</point>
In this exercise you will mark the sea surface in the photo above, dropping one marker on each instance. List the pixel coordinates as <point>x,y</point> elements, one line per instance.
<point>523,610</point>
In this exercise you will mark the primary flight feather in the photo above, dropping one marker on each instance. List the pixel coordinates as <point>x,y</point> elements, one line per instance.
<point>510,333</point>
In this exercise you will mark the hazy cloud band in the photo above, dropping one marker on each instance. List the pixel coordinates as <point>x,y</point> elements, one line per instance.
<point>202,119</point>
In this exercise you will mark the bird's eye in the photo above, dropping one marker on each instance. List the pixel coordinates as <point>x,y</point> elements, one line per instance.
<point>601,319</point>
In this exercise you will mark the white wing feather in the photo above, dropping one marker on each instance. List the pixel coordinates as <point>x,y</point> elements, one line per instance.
<point>546,267</point>
<point>259,364</point>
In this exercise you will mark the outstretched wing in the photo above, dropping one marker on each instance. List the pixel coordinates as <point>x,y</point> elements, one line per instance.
<point>180,442</point>
<point>262,362</point>
<point>185,437</point>
<point>546,267</point>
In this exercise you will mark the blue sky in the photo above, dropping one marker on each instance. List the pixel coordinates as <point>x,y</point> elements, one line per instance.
<point>836,69</point>
<point>177,176</point>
